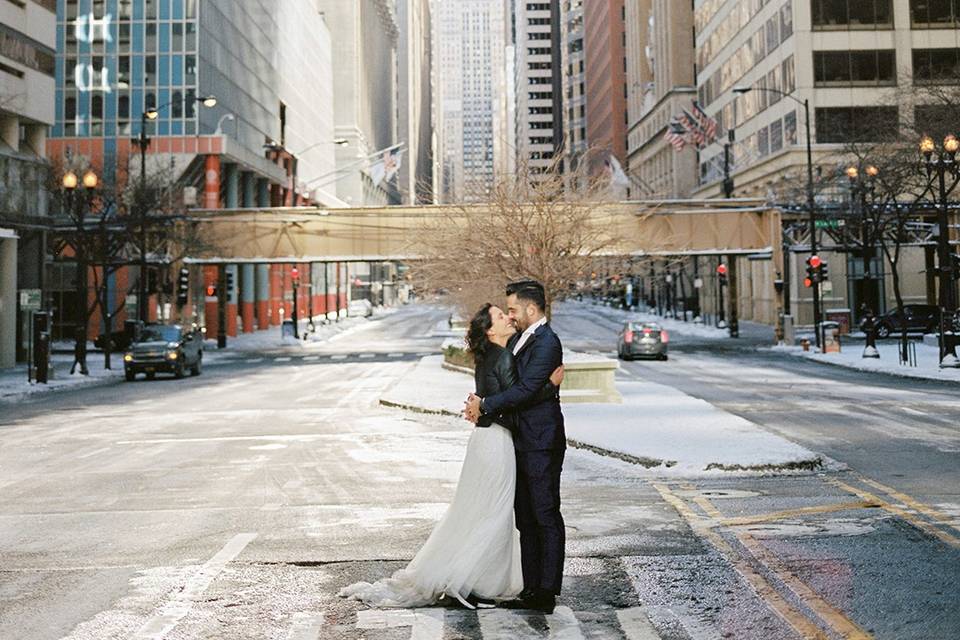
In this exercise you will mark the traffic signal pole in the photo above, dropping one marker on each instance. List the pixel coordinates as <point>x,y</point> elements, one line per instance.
<point>221,307</point>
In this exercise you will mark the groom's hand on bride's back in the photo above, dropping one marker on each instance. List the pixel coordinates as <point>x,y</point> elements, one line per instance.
<point>556,378</point>
<point>471,408</point>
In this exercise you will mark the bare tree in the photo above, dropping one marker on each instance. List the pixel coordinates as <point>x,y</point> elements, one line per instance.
<point>527,225</point>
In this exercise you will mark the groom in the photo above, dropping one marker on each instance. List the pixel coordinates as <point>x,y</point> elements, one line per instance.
<point>540,444</point>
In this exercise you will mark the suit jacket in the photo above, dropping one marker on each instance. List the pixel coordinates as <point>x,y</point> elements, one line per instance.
<point>497,372</point>
<point>540,421</point>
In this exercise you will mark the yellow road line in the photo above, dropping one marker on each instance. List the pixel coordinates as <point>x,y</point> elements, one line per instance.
<point>897,511</point>
<point>832,616</point>
<point>791,513</point>
<point>703,527</point>
<point>913,503</point>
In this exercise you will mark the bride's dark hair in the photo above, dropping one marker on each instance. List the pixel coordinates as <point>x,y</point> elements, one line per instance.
<point>477,340</point>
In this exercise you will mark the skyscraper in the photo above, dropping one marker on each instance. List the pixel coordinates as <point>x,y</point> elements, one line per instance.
<point>605,79</point>
<point>414,101</point>
<point>471,83</point>
<point>539,84</point>
<point>574,93</point>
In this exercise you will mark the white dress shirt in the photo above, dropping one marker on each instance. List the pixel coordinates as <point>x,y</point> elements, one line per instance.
<point>526,335</point>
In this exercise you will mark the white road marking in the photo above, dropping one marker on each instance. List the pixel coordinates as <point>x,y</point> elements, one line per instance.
<point>310,358</point>
<point>282,359</point>
<point>916,412</point>
<point>395,355</point>
<point>306,626</point>
<point>93,453</point>
<point>501,623</point>
<point>427,623</point>
<point>636,625</point>
<point>178,606</point>
<point>564,625</point>
<point>339,356</point>
<point>253,360</point>
<point>367,355</point>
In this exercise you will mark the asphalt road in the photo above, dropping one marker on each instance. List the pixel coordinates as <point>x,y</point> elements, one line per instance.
<point>236,504</point>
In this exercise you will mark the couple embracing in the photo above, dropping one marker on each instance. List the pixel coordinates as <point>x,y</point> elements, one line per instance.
<point>501,541</point>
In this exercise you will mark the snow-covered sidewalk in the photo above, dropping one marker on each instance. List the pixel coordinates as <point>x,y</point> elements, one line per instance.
<point>851,356</point>
<point>14,385</point>
<point>656,426</point>
<point>672,326</point>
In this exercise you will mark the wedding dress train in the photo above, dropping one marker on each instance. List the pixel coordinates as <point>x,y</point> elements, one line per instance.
<point>475,548</point>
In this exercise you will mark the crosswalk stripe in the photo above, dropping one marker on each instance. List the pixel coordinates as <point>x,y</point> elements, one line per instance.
<point>501,623</point>
<point>564,625</point>
<point>181,602</point>
<point>636,625</point>
<point>427,624</point>
<point>306,626</point>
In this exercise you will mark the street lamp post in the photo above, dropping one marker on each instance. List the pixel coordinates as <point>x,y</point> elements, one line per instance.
<point>142,141</point>
<point>70,183</point>
<point>860,188</point>
<point>811,205</point>
<point>939,164</point>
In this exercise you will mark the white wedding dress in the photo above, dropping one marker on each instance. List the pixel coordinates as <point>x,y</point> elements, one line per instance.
<point>475,548</point>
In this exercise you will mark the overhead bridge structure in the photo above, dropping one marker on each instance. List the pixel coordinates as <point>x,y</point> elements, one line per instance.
<point>251,245</point>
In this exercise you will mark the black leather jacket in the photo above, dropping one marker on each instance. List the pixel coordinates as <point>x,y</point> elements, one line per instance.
<point>498,372</point>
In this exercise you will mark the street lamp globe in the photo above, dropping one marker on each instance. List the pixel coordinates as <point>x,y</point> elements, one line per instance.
<point>90,180</point>
<point>951,144</point>
<point>209,101</point>
<point>852,173</point>
<point>927,146</point>
<point>70,180</point>
<point>872,171</point>
<point>152,114</point>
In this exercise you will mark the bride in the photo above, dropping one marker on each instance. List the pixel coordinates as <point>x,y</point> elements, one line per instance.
<point>473,553</point>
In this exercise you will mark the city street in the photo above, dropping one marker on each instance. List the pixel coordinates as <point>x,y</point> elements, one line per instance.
<point>236,504</point>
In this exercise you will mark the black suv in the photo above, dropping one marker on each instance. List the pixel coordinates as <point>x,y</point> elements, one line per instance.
<point>918,317</point>
<point>169,348</point>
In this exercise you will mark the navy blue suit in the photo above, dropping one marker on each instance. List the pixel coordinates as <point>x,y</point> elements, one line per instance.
<point>540,444</point>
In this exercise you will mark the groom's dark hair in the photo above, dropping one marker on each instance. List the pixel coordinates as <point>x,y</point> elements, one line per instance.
<point>529,291</point>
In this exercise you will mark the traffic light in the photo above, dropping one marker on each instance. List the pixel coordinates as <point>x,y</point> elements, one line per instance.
<point>229,281</point>
<point>722,274</point>
<point>183,286</point>
<point>295,275</point>
<point>211,291</point>
<point>816,271</point>
<point>823,273</point>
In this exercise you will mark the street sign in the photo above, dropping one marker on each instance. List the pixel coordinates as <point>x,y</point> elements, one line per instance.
<point>30,300</point>
<point>698,283</point>
<point>828,224</point>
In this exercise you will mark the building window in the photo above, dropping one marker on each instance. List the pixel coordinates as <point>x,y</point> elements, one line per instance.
<point>936,66</point>
<point>935,14</point>
<point>844,68</point>
<point>852,14</point>
<point>856,124</point>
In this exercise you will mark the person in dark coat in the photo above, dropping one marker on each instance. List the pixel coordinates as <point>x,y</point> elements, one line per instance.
<point>539,443</point>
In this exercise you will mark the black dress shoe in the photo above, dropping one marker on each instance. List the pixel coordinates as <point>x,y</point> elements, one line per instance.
<point>541,601</point>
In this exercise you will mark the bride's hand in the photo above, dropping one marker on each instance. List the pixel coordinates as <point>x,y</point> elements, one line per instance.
<point>557,376</point>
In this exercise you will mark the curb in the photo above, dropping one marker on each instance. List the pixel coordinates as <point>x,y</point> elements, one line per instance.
<point>895,374</point>
<point>815,464</point>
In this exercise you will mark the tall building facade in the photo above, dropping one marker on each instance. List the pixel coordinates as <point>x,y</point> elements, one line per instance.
<point>660,85</point>
<point>604,42</point>
<point>264,142</point>
<point>574,87</point>
<point>414,101</point>
<point>365,37</point>
<point>470,39</point>
<point>539,83</point>
<point>27,64</point>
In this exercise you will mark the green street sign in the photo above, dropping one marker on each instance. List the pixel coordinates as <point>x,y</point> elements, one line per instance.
<point>827,224</point>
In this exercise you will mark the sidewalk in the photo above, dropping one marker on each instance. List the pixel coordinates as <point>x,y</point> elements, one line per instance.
<point>851,356</point>
<point>656,426</point>
<point>14,385</point>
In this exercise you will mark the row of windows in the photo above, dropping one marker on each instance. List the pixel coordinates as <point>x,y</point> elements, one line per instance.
<point>540,80</point>
<point>538,35</point>
<point>769,139</point>
<point>540,95</point>
<point>763,42</point>
<point>538,51</point>
<point>878,14</point>
<point>845,68</point>
<point>138,36</point>
<point>534,66</point>
<point>541,140</point>
<point>537,21</point>
<point>734,23</point>
<point>856,124</point>
<point>538,6</point>
<point>179,108</point>
<point>540,111</point>
<point>781,78</point>
<point>135,10</point>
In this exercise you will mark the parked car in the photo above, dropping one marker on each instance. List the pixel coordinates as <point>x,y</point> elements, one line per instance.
<point>642,340</point>
<point>168,348</point>
<point>919,317</point>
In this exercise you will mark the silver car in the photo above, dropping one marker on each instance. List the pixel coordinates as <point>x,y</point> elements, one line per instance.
<point>642,340</point>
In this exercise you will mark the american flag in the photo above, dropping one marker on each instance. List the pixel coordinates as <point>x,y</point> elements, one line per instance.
<point>676,135</point>
<point>708,124</point>
<point>697,135</point>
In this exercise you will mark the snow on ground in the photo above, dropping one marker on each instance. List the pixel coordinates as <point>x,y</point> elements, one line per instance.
<point>851,356</point>
<point>679,327</point>
<point>14,385</point>
<point>657,425</point>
